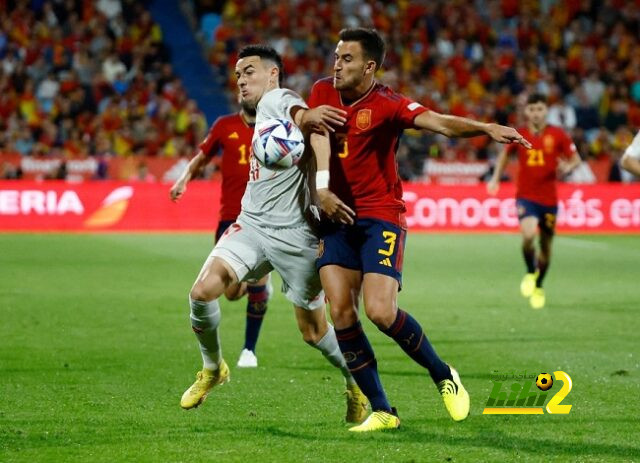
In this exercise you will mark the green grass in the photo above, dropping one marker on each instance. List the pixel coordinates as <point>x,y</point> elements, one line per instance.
<point>96,349</point>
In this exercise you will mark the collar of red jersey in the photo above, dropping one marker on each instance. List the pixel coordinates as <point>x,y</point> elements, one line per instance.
<point>364,95</point>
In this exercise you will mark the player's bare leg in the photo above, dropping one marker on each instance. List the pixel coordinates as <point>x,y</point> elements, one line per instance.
<point>236,291</point>
<point>538,299</point>
<point>529,230</point>
<point>313,324</point>
<point>380,299</point>
<point>380,303</point>
<point>214,278</point>
<point>319,333</point>
<point>342,288</point>
<point>258,294</point>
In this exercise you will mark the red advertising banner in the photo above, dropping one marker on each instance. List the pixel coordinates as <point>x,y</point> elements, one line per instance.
<point>582,208</point>
<point>109,205</point>
<point>131,206</point>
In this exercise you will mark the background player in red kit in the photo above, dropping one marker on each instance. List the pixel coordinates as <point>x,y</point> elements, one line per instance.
<point>552,154</point>
<point>359,188</point>
<point>230,136</point>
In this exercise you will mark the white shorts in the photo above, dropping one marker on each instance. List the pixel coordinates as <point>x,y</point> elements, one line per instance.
<point>252,252</point>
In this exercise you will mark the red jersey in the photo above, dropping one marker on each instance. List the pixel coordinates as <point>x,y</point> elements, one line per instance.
<point>363,165</point>
<point>538,165</point>
<point>231,136</point>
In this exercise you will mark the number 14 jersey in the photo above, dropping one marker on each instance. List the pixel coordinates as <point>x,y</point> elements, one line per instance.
<point>231,136</point>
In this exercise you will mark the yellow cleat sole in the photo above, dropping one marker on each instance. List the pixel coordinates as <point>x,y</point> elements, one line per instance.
<point>378,421</point>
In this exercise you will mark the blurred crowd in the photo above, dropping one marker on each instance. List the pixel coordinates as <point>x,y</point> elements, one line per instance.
<point>93,78</point>
<point>469,58</point>
<point>90,78</point>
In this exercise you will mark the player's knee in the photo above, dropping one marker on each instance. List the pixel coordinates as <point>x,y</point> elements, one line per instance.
<point>343,316</point>
<point>310,339</point>
<point>207,292</point>
<point>311,334</point>
<point>528,241</point>
<point>381,314</point>
<point>528,237</point>
<point>199,294</point>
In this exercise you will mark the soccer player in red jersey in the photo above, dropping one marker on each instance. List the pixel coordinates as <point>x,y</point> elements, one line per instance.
<point>359,189</point>
<point>230,136</point>
<point>552,153</point>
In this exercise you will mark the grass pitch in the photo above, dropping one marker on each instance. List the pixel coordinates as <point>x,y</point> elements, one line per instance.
<point>96,350</point>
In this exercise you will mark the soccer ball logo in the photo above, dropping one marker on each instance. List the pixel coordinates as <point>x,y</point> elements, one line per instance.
<point>277,143</point>
<point>544,381</point>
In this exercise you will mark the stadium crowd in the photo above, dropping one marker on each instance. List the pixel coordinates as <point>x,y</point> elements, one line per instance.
<point>90,78</point>
<point>475,59</point>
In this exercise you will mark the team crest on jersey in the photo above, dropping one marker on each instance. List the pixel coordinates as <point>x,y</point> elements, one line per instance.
<point>363,119</point>
<point>234,136</point>
<point>320,248</point>
<point>548,142</point>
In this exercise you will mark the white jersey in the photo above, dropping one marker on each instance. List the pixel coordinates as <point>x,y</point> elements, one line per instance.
<point>633,150</point>
<point>276,198</point>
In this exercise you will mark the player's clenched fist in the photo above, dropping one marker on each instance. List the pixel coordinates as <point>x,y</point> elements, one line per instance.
<point>177,190</point>
<point>492,187</point>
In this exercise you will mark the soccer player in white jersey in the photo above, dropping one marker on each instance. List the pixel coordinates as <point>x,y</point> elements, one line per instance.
<point>631,157</point>
<point>271,232</point>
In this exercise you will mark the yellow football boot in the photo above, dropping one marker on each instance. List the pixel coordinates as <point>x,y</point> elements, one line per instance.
<point>205,380</point>
<point>378,421</point>
<point>356,404</point>
<point>537,299</point>
<point>455,396</point>
<point>528,284</point>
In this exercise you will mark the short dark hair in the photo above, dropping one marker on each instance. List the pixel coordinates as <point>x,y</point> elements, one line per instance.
<point>370,40</point>
<point>536,98</point>
<point>264,52</point>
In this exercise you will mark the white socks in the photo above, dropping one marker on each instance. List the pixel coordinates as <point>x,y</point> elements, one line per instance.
<point>205,318</point>
<point>328,345</point>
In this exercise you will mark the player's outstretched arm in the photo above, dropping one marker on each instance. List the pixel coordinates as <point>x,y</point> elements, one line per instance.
<point>180,186</point>
<point>454,126</point>
<point>329,202</point>
<point>493,185</point>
